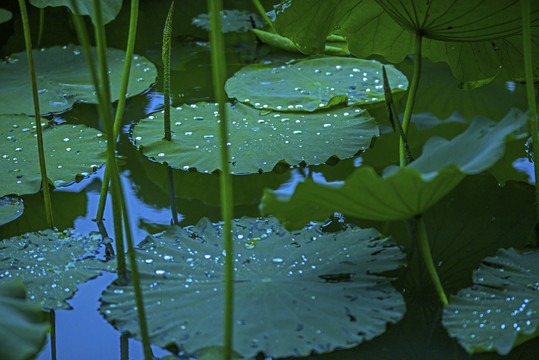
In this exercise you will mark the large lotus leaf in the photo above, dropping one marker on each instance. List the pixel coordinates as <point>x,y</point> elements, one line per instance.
<point>402,192</point>
<point>71,151</point>
<point>295,292</point>
<point>312,84</point>
<point>109,8</point>
<point>23,326</point>
<point>11,208</point>
<point>5,15</point>
<point>231,21</point>
<point>475,39</point>
<point>51,264</point>
<point>501,310</point>
<point>63,78</point>
<point>258,139</point>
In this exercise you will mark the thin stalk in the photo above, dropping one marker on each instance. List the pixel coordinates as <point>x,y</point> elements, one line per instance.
<point>265,16</point>
<point>167,33</point>
<point>41,26</point>
<point>85,42</point>
<point>219,74</point>
<point>52,320</point>
<point>124,347</point>
<point>425,253</point>
<point>133,21</point>
<point>173,208</point>
<point>530,90</point>
<point>41,152</point>
<point>411,96</point>
<point>118,200</point>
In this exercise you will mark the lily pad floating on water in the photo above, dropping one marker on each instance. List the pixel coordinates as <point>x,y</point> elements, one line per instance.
<point>401,192</point>
<point>231,21</point>
<point>296,292</point>
<point>11,207</point>
<point>71,152</point>
<point>501,310</point>
<point>258,139</point>
<point>308,85</point>
<point>51,264</point>
<point>63,78</point>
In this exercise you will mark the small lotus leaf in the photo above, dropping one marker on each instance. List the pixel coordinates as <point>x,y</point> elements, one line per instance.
<point>5,15</point>
<point>231,21</point>
<point>11,207</point>
<point>51,264</point>
<point>23,326</point>
<point>109,8</point>
<point>402,192</point>
<point>295,292</point>
<point>71,151</point>
<point>501,310</point>
<point>258,139</point>
<point>63,78</point>
<point>307,85</point>
<point>281,42</point>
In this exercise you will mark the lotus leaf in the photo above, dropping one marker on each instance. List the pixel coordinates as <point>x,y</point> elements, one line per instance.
<point>63,78</point>
<point>51,264</point>
<point>11,208</point>
<point>402,192</point>
<point>23,326</point>
<point>300,292</point>
<point>231,21</point>
<point>476,39</point>
<point>71,152</point>
<point>5,15</point>
<point>501,310</point>
<point>258,139</point>
<point>109,8</point>
<point>281,42</point>
<point>307,85</point>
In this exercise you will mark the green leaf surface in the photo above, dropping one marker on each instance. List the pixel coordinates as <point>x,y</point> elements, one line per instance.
<point>402,192</point>
<point>71,152</point>
<point>231,20</point>
<point>5,15</point>
<point>278,41</point>
<point>11,207</point>
<point>109,8</point>
<point>300,292</point>
<point>259,139</point>
<point>307,85</point>
<point>501,310</point>
<point>63,78</point>
<point>477,40</point>
<point>51,264</point>
<point>23,326</point>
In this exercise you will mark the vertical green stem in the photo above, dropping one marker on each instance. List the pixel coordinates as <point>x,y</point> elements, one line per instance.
<point>124,347</point>
<point>41,26</point>
<point>265,16</point>
<point>427,257</point>
<point>133,21</point>
<point>52,319</point>
<point>167,33</point>
<point>173,209</point>
<point>530,90</point>
<point>412,91</point>
<point>118,200</point>
<point>219,74</point>
<point>41,152</point>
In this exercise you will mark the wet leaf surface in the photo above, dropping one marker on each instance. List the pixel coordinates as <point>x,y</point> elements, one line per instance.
<point>11,207</point>
<point>300,292</point>
<point>109,8</point>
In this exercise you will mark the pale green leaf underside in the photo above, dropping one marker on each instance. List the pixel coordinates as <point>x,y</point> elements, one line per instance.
<point>258,139</point>
<point>71,151</point>
<point>5,15</point>
<point>283,43</point>
<point>51,264</point>
<point>109,8</point>
<point>311,84</point>
<point>502,309</point>
<point>286,307</point>
<point>400,193</point>
<point>11,208</point>
<point>63,78</point>
<point>23,327</point>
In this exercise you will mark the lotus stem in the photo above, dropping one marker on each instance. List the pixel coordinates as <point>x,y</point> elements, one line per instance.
<point>41,26</point>
<point>217,45</point>
<point>412,91</point>
<point>173,208</point>
<point>52,321</point>
<point>167,33</point>
<point>265,16</point>
<point>39,132</point>
<point>427,257</point>
<point>530,91</point>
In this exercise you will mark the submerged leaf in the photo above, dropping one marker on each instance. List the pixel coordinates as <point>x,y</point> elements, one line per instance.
<point>23,326</point>
<point>63,78</point>
<point>258,139</point>
<point>11,207</point>
<point>300,292</point>
<point>51,264</point>
<point>307,85</point>
<point>71,152</point>
<point>501,310</point>
<point>109,8</point>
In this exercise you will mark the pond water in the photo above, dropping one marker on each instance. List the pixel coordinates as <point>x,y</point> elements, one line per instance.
<point>82,333</point>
